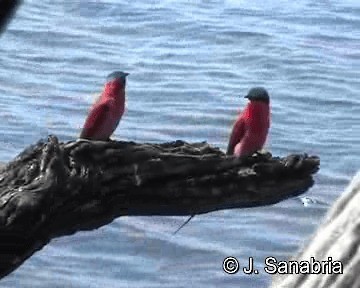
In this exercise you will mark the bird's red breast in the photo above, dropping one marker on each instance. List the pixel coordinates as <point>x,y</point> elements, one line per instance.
<point>250,129</point>
<point>106,113</point>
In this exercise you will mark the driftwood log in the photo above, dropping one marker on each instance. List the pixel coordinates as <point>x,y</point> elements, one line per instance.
<point>53,189</point>
<point>339,238</point>
<point>7,11</point>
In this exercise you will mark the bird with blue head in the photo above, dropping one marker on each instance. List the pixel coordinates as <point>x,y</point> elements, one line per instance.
<point>251,128</point>
<point>105,114</point>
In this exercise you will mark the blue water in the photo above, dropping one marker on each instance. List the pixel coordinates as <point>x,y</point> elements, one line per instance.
<point>190,63</point>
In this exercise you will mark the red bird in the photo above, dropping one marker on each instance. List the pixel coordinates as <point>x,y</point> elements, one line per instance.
<point>106,113</point>
<point>251,128</point>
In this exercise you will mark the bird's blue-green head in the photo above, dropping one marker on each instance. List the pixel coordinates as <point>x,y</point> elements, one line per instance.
<point>258,94</point>
<point>117,75</point>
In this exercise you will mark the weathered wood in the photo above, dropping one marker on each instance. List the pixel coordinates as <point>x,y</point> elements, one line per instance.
<point>53,189</point>
<point>7,11</point>
<point>339,238</point>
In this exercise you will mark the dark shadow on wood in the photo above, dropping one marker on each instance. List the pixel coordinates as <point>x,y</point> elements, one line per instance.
<point>53,189</point>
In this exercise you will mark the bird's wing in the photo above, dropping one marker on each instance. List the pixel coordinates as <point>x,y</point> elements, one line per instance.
<point>237,134</point>
<point>95,119</point>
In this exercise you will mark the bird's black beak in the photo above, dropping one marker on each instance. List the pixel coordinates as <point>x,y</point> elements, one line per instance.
<point>126,74</point>
<point>247,96</point>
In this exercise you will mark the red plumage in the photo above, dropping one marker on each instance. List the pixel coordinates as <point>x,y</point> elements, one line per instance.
<point>105,114</point>
<point>250,130</point>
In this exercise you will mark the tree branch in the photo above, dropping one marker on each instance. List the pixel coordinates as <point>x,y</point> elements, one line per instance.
<point>7,11</point>
<point>53,189</point>
<point>339,238</point>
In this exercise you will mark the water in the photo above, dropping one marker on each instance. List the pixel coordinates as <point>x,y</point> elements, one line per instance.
<point>190,63</point>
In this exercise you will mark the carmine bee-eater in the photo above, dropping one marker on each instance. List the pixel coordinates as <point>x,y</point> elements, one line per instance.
<point>105,114</point>
<point>251,127</point>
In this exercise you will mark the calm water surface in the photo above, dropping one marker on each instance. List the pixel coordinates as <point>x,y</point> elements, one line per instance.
<point>190,63</point>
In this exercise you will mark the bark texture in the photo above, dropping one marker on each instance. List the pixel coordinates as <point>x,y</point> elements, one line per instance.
<point>53,189</point>
<point>339,238</point>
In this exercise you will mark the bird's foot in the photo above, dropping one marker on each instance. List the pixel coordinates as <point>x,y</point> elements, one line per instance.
<point>262,154</point>
<point>83,140</point>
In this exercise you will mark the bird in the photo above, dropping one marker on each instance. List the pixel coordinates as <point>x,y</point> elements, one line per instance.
<point>105,114</point>
<point>251,128</point>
